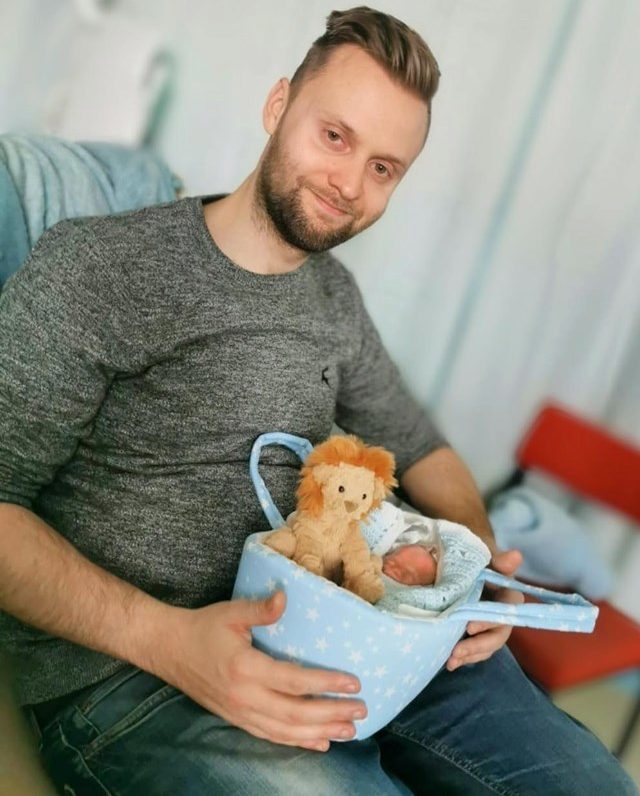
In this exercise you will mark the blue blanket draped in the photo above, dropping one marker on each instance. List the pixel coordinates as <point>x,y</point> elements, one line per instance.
<point>44,179</point>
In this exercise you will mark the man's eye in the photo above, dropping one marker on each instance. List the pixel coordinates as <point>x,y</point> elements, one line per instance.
<point>333,136</point>
<point>381,170</point>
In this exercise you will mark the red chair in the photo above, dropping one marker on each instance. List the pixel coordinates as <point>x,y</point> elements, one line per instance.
<point>595,464</point>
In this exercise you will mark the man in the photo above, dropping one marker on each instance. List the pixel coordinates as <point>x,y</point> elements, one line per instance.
<point>141,356</point>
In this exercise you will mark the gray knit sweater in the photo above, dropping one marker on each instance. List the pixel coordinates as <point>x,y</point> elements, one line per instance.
<point>137,366</point>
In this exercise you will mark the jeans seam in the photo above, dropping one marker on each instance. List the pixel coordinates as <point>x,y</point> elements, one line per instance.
<point>86,719</point>
<point>450,756</point>
<point>98,696</point>
<point>133,719</point>
<point>64,740</point>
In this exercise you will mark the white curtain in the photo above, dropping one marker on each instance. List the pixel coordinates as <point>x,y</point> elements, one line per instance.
<point>507,267</point>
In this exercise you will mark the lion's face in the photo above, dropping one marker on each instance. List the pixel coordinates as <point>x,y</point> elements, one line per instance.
<point>347,490</point>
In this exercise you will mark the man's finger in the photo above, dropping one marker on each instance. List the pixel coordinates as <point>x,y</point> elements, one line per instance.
<point>303,711</point>
<point>478,627</point>
<point>291,678</point>
<point>272,734</point>
<point>293,734</point>
<point>483,656</point>
<point>484,646</point>
<point>293,720</point>
<point>486,642</point>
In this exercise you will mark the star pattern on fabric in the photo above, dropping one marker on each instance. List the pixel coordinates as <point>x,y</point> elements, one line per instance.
<point>394,656</point>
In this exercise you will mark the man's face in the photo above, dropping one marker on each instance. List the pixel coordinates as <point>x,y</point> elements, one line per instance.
<point>346,139</point>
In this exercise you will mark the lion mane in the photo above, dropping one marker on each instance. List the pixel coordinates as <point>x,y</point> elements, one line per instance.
<point>348,450</point>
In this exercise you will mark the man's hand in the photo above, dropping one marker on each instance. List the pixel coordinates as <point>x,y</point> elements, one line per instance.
<point>488,638</point>
<point>210,658</point>
<point>205,652</point>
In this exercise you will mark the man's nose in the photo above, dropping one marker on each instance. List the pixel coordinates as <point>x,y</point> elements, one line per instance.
<point>347,179</point>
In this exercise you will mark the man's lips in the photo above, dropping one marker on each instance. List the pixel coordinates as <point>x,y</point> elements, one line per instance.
<point>327,207</point>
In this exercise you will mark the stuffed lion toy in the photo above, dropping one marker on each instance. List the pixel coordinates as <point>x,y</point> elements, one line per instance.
<point>341,481</point>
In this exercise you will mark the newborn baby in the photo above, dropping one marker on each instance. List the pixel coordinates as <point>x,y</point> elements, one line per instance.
<point>427,563</point>
<point>431,564</point>
<point>412,564</point>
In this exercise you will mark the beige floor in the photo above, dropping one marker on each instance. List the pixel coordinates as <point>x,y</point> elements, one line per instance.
<point>604,709</point>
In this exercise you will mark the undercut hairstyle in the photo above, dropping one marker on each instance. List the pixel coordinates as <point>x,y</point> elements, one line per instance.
<point>401,51</point>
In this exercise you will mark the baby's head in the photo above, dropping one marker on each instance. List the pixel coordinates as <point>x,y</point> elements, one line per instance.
<point>412,564</point>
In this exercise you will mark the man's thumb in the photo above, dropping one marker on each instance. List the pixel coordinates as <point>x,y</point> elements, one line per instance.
<point>508,561</point>
<point>267,611</point>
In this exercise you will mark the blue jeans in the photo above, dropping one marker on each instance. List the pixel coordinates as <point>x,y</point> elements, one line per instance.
<point>482,729</point>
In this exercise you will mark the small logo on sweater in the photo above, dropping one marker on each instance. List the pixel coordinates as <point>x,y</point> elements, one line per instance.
<point>324,376</point>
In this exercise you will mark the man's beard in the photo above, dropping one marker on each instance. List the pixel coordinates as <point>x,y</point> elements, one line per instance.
<point>285,210</point>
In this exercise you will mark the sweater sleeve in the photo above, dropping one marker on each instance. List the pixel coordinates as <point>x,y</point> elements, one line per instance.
<point>374,402</point>
<point>62,340</point>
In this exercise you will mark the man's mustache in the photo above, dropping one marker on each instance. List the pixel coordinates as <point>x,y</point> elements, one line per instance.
<point>337,203</point>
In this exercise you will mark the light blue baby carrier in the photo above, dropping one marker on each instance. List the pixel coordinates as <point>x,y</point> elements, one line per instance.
<point>394,656</point>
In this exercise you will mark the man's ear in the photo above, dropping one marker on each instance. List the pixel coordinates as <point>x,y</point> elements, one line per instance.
<point>275,105</point>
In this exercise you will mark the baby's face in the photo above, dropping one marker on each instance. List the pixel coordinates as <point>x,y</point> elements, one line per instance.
<point>412,565</point>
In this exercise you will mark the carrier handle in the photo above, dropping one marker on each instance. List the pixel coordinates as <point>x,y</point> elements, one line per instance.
<point>558,611</point>
<point>298,445</point>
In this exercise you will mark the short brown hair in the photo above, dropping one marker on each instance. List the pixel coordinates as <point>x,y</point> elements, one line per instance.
<point>401,51</point>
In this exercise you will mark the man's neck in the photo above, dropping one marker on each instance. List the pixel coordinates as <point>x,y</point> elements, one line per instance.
<point>241,231</point>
